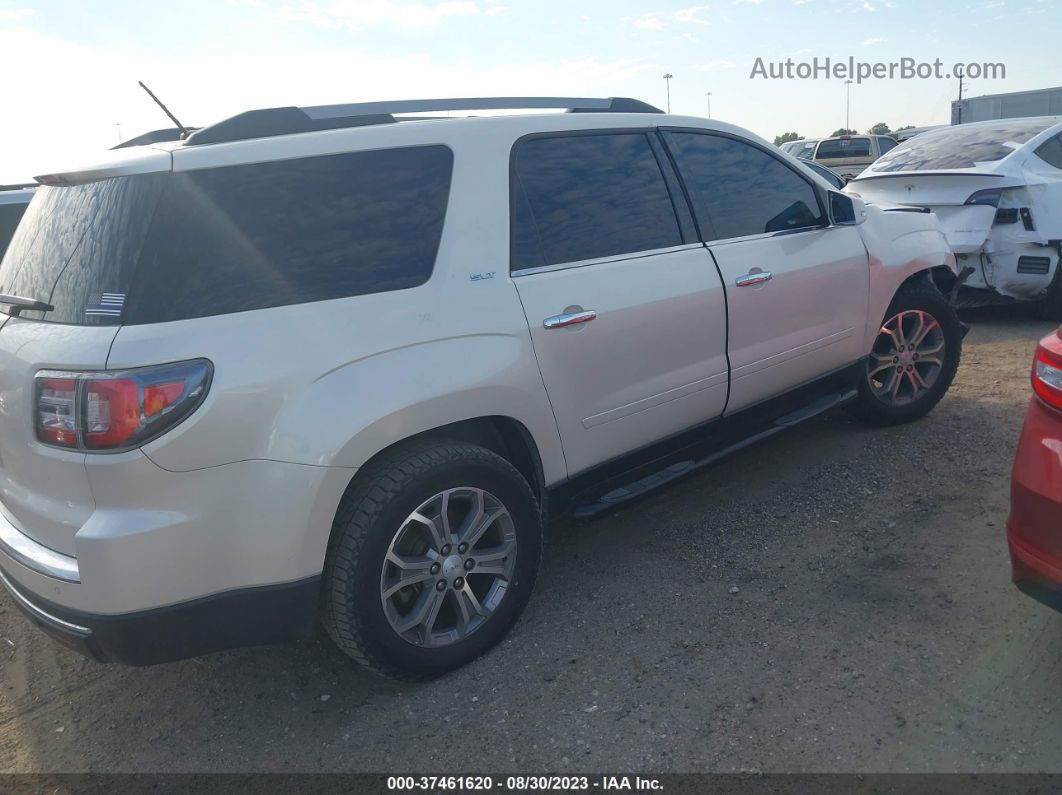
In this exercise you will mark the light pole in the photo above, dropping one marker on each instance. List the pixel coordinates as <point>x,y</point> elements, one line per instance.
<point>118,124</point>
<point>847,105</point>
<point>667,82</point>
<point>709,95</point>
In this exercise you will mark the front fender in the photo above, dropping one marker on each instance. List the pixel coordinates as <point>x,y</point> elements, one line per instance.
<point>900,245</point>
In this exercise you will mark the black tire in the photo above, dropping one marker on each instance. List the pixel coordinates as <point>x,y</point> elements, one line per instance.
<point>870,406</point>
<point>371,512</point>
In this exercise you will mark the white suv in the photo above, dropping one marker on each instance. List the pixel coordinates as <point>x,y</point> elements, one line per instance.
<point>326,363</point>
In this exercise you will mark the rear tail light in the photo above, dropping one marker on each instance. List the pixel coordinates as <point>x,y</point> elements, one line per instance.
<point>989,197</point>
<point>117,410</point>
<point>1047,371</point>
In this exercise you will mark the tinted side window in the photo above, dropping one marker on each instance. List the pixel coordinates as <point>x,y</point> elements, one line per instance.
<point>10,215</point>
<point>1050,151</point>
<point>272,234</point>
<point>739,190</point>
<point>586,196</point>
<point>844,147</point>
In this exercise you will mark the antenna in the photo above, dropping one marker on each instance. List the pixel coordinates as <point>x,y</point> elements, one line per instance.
<point>177,124</point>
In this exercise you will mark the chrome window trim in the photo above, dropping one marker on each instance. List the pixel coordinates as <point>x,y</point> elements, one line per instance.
<point>46,617</point>
<point>584,263</point>
<point>36,557</point>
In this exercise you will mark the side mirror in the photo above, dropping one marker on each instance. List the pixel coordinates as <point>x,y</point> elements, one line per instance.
<point>846,210</point>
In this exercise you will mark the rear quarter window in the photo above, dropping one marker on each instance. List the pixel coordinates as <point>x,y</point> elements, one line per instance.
<point>272,234</point>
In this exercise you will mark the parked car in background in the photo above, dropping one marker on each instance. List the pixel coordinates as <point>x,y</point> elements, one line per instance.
<point>902,135</point>
<point>848,155</point>
<point>14,199</point>
<point>1033,528</point>
<point>997,188</point>
<point>803,149</point>
<point>827,174</point>
<point>348,373</point>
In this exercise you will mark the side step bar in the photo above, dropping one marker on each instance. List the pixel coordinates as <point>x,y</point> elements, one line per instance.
<point>680,469</point>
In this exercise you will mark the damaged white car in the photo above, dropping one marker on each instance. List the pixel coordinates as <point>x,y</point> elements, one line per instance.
<point>996,187</point>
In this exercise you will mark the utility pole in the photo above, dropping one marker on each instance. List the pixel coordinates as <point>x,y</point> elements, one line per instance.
<point>848,105</point>
<point>709,95</point>
<point>667,82</point>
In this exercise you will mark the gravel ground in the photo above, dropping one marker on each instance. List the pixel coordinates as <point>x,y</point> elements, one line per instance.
<point>836,599</point>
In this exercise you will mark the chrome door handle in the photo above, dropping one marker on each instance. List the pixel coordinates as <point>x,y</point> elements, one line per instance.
<point>570,319</point>
<point>750,279</point>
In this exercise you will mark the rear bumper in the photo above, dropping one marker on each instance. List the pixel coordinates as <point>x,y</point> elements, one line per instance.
<point>1034,528</point>
<point>245,617</point>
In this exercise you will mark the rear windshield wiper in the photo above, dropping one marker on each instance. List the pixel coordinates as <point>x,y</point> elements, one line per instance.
<point>13,304</point>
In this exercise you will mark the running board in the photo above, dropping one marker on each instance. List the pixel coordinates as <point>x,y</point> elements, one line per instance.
<point>681,469</point>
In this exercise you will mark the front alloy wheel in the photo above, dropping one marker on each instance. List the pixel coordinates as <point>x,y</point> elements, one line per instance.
<point>908,357</point>
<point>913,359</point>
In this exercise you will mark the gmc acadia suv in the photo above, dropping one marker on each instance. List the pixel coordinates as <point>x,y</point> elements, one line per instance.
<point>334,364</point>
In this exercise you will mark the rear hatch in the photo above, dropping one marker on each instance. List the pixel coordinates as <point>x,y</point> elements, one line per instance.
<point>75,249</point>
<point>965,225</point>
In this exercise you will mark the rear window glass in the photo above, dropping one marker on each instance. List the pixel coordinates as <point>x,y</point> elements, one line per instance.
<point>587,196</point>
<point>76,245</point>
<point>962,146</point>
<point>159,247</point>
<point>843,147</point>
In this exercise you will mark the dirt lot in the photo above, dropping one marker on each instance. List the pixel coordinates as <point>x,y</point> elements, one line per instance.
<point>874,629</point>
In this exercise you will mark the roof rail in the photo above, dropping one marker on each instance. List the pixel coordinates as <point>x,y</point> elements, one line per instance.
<point>287,121</point>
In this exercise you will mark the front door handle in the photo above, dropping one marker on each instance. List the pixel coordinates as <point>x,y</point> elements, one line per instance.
<point>751,279</point>
<point>569,319</point>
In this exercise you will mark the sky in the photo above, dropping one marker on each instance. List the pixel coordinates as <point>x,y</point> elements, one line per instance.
<point>70,69</point>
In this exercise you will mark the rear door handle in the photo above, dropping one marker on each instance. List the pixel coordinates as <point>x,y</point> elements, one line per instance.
<point>750,279</point>
<point>569,319</point>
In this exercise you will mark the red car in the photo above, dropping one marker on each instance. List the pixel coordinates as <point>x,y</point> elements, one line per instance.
<point>1034,529</point>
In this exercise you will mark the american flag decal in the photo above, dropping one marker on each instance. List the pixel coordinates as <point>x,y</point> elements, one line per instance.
<point>108,305</point>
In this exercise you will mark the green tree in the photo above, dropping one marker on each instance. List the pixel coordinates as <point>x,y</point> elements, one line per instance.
<point>843,131</point>
<point>881,128</point>
<point>785,138</point>
<point>905,127</point>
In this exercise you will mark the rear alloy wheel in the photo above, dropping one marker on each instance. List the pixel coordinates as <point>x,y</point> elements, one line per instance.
<point>433,556</point>
<point>913,359</point>
<point>449,567</point>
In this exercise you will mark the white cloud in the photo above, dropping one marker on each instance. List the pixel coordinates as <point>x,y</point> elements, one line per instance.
<point>692,15</point>
<point>648,22</point>
<point>493,11</point>
<point>716,65</point>
<point>687,37</point>
<point>874,40</point>
<point>658,20</point>
<point>748,2</point>
<point>14,14</point>
<point>362,13</point>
